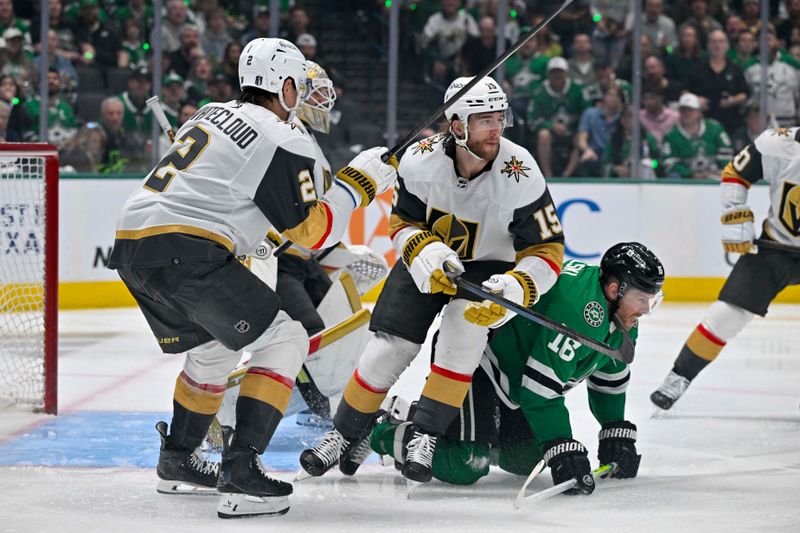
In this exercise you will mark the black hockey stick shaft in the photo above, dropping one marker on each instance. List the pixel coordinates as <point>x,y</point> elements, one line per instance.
<point>624,353</point>
<point>777,246</point>
<point>435,115</point>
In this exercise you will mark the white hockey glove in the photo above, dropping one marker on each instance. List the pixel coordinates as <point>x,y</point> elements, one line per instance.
<point>268,245</point>
<point>738,230</point>
<point>367,175</point>
<point>366,266</point>
<point>427,264</point>
<point>515,286</point>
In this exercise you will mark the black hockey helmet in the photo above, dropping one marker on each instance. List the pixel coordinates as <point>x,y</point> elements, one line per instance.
<point>634,266</point>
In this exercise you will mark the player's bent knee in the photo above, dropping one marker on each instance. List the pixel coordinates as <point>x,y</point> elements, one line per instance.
<point>460,463</point>
<point>210,363</point>
<point>283,347</point>
<point>385,358</point>
<point>726,320</point>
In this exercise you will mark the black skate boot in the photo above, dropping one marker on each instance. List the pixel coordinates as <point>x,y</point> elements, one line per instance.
<point>244,486</point>
<point>668,393</point>
<point>183,471</point>
<point>419,456</point>
<point>326,453</point>
<point>349,463</point>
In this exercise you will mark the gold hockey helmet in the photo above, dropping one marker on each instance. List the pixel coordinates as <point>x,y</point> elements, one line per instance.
<point>320,97</point>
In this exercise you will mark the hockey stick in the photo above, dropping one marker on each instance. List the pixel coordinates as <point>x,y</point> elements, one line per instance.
<point>433,117</point>
<point>521,494</point>
<point>624,353</point>
<point>772,245</point>
<point>158,112</point>
<point>599,473</point>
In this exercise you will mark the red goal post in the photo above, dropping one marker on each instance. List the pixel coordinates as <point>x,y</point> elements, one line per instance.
<point>29,275</point>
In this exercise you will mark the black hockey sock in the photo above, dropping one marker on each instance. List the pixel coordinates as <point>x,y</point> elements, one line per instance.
<point>351,422</point>
<point>256,422</point>
<point>434,417</point>
<point>188,428</point>
<point>688,364</point>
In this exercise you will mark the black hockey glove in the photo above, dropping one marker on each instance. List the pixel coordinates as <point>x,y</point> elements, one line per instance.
<point>618,445</point>
<point>568,459</point>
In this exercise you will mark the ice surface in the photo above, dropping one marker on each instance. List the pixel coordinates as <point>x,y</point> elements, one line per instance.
<point>725,458</point>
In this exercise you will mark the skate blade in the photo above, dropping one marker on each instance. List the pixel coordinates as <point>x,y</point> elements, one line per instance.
<point>166,486</point>
<point>658,412</point>
<point>301,475</point>
<point>411,487</point>
<point>233,505</point>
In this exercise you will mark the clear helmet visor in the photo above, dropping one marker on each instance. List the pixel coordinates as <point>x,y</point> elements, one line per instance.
<point>489,121</point>
<point>639,302</point>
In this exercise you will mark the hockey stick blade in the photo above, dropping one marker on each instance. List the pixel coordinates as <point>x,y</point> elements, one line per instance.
<point>521,494</point>
<point>433,117</point>
<point>599,473</point>
<point>772,245</point>
<point>624,353</point>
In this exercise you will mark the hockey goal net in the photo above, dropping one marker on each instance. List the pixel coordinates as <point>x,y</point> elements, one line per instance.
<point>28,275</point>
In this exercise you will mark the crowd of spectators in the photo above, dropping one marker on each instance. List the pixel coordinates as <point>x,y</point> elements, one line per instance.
<point>569,87</point>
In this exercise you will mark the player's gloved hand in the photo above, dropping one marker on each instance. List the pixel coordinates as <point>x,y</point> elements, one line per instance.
<point>568,459</point>
<point>427,267</point>
<point>368,269</point>
<point>515,286</point>
<point>368,175</point>
<point>738,230</point>
<point>618,445</point>
<point>268,245</point>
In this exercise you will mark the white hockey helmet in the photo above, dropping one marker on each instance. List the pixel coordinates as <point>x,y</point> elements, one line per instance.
<point>266,63</point>
<point>486,96</point>
<point>320,97</point>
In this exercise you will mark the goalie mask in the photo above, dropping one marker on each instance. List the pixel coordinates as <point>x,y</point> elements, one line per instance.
<point>639,272</point>
<point>485,97</point>
<point>266,63</point>
<point>320,97</point>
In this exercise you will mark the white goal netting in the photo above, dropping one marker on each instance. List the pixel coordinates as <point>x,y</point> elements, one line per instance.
<point>22,279</point>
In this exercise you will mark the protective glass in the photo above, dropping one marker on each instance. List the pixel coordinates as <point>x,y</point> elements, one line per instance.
<point>489,121</point>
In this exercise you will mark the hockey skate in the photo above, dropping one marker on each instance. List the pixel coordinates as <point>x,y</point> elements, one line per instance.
<point>418,463</point>
<point>668,393</point>
<point>245,488</point>
<point>184,471</point>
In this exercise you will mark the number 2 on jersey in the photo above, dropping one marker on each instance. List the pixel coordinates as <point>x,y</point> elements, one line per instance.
<point>193,142</point>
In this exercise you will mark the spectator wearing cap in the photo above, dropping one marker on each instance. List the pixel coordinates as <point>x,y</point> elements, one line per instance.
<point>69,77</point>
<point>659,27</point>
<point>782,94</point>
<point>134,54</point>
<point>219,89</point>
<point>653,73</point>
<point>216,36</point>
<point>656,118</point>
<point>480,51</point>
<point>8,19</point>
<point>181,59</point>
<point>172,95</point>
<point>99,42</point>
<point>581,64</point>
<point>259,26</point>
<point>695,147</point>
<point>16,59</point>
<point>553,113</point>
<point>442,38</point>
<point>137,117</point>
<point>61,123</point>
<point>178,16</point>
<point>307,44</point>
<point>720,84</point>
<point>594,131</point>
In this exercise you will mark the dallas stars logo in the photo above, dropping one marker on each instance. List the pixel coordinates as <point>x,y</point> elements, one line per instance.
<point>514,168</point>
<point>593,314</point>
<point>425,145</point>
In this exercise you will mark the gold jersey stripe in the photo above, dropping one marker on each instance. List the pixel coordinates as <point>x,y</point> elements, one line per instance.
<point>265,389</point>
<point>316,226</point>
<point>729,173</point>
<point>550,251</point>
<point>362,399</point>
<point>445,390</point>
<point>702,346</point>
<point>197,400</point>
<point>136,234</point>
<point>396,223</point>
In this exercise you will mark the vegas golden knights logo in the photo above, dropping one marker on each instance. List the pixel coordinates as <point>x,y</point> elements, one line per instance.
<point>459,235</point>
<point>789,213</point>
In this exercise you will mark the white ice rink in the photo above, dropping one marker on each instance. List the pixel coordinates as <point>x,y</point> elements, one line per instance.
<point>725,458</point>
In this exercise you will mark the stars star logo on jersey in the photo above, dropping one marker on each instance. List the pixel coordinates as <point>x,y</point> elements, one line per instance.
<point>515,168</point>
<point>594,314</point>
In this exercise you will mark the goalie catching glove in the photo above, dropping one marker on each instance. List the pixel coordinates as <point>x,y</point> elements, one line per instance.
<point>367,175</point>
<point>738,230</point>
<point>568,459</point>
<point>618,445</point>
<point>425,255</point>
<point>514,286</point>
<point>366,266</point>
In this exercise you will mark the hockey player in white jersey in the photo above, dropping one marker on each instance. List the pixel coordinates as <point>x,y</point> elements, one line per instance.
<point>757,277</point>
<point>471,198</point>
<point>235,171</point>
